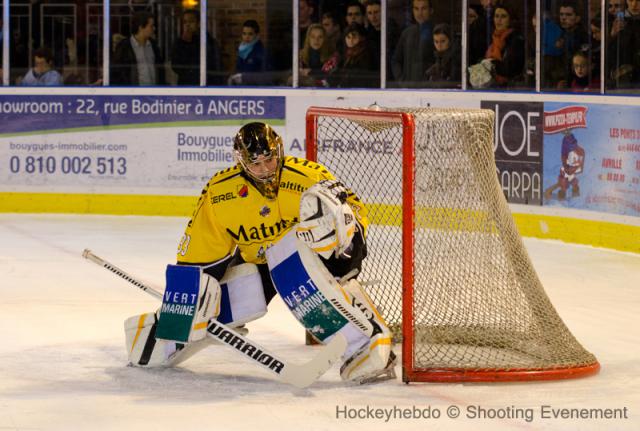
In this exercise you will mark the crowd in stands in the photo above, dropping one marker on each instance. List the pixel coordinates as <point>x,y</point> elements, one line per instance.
<point>340,46</point>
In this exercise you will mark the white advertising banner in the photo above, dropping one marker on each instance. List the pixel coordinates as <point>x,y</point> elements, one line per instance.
<point>167,145</point>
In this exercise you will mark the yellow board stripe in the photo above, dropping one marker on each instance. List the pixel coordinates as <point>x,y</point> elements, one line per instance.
<point>97,204</point>
<point>616,236</point>
<point>140,326</point>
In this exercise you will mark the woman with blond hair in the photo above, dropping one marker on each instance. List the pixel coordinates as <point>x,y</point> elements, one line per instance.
<point>313,56</point>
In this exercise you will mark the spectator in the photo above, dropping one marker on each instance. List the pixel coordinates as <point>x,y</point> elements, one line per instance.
<point>445,72</point>
<point>137,59</point>
<point>473,13</point>
<point>595,48</point>
<point>185,55</point>
<point>355,68</point>
<point>552,55</point>
<point>333,33</point>
<point>250,51</point>
<point>414,52</point>
<point>1,51</point>
<point>373,15</point>
<point>355,13</point>
<point>582,76</point>
<point>624,47</point>
<point>506,50</point>
<point>305,18</point>
<point>42,72</point>
<point>480,31</point>
<point>573,38</point>
<point>374,25</point>
<point>615,10</point>
<point>313,57</point>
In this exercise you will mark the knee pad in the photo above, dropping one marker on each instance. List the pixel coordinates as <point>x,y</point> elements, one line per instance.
<point>242,295</point>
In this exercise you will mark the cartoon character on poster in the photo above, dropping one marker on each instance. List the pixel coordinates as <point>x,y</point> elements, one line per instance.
<point>572,158</point>
<point>564,156</point>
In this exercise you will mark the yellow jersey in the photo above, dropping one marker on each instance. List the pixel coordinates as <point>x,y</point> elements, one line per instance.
<point>231,213</point>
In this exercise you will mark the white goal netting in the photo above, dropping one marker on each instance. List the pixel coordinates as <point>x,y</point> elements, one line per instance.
<point>477,307</point>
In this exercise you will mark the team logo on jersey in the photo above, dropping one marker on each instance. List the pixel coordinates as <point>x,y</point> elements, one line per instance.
<point>265,211</point>
<point>243,191</point>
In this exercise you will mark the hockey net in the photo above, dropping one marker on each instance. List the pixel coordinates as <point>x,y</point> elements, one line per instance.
<point>446,267</point>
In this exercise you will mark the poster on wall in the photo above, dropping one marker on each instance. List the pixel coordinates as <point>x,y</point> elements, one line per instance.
<point>518,149</point>
<point>138,144</point>
<point>592,157</point>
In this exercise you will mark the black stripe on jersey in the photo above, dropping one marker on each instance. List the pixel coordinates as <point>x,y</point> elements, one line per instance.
<point>224,171</point>
<point>289,168</point>
<point>150,344</point>
<point>227,178</point>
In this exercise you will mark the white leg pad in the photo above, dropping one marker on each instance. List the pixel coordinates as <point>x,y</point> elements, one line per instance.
<point>375,357</point>
<point>144,350</point>
<point>325,307</point>
<point>242,295</point>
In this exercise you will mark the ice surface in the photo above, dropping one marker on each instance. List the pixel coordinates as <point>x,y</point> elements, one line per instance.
<point>63,364</point>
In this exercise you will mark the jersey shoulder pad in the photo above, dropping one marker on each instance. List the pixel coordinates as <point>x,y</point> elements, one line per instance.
<point>306,168</point>
<point>225,175</point>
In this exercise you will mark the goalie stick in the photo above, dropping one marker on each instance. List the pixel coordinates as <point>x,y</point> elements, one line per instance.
<point>299,376</point>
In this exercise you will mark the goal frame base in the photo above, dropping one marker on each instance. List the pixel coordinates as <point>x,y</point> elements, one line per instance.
<point>456,375</point>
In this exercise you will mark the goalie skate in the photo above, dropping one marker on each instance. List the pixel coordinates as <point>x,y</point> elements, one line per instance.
<point>388,373</point>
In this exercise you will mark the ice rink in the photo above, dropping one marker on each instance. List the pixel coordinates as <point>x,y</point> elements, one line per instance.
<point>63,361</point>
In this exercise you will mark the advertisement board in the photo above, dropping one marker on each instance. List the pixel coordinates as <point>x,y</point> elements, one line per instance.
<point>518,149</point>
<point>123,144</point>
<point>592,157</point>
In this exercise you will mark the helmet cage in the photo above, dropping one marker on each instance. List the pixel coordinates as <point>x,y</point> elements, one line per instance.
<point>251,142</point>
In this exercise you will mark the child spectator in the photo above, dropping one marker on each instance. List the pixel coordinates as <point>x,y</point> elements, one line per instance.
<point>42,72</point>
<point>582,77</point>
<point>445,72</point>
<point>354,69</point>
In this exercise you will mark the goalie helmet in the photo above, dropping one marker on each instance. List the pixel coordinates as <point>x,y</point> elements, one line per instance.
<point>256,146</point>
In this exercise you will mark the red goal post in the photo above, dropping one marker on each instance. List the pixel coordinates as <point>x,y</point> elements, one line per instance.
<point>463,297</point>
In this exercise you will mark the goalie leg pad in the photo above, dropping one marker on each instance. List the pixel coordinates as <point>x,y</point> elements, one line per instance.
<point>375,360</point>
<point>324,308</point>
<point>190,300</point>
<point>309,290</point>
<point>145,350</point>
